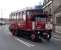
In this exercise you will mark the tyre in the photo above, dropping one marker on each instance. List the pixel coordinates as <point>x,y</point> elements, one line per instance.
<point>48,37</point>
<point>20,33</point>
<point>33,37</point>
<point>12,31</point>
<point>17,33</point>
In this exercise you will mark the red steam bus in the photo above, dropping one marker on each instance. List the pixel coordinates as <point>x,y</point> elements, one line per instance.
<point>32,23</point>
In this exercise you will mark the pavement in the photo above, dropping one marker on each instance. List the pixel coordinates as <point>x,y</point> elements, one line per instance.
<point>57,36</point>
<point>57,33</point>
<point>9,42</point>
<point>58,29</point>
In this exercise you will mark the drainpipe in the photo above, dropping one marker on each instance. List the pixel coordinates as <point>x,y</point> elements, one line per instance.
<point>53,17</point>
<point>50,2</point>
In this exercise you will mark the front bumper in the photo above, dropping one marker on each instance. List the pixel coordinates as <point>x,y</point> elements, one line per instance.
<point>43,33</point>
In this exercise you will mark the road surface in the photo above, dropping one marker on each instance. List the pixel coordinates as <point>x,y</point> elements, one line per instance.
<point>8,42</point>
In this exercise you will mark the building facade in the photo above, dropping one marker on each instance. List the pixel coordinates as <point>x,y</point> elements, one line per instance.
<point>54,8</point>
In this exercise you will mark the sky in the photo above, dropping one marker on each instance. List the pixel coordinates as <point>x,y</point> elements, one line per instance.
<point>8,6</point>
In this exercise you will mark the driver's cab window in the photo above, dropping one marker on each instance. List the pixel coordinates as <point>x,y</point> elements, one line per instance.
<point>41,18</point>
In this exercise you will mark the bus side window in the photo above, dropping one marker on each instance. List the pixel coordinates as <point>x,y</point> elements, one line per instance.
<point>33,18</point>
<point>24,15</point>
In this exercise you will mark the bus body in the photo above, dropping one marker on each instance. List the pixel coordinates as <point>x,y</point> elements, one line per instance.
<point>32,23</point>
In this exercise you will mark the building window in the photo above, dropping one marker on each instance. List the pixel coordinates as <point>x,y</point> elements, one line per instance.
<point>47,0</point>
<point>58,20</point>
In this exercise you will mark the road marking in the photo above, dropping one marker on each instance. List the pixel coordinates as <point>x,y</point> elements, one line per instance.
<point>58,31</point>
<point>56,39</point>
<point>23,42</point>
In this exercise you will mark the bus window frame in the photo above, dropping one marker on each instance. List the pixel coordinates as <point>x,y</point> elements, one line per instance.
<point>24,15</point>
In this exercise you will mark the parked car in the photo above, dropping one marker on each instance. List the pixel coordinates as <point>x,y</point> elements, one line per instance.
<point>2,23</point>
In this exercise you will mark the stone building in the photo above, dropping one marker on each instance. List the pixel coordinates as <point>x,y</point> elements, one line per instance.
<point>54,8</point>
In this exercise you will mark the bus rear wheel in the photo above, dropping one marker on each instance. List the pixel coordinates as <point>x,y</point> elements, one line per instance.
<point>33,37</point>
<point>12,31</point>
<point>15,33</point>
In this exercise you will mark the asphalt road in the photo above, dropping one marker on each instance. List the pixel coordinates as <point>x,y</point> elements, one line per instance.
<point>8,42</point>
